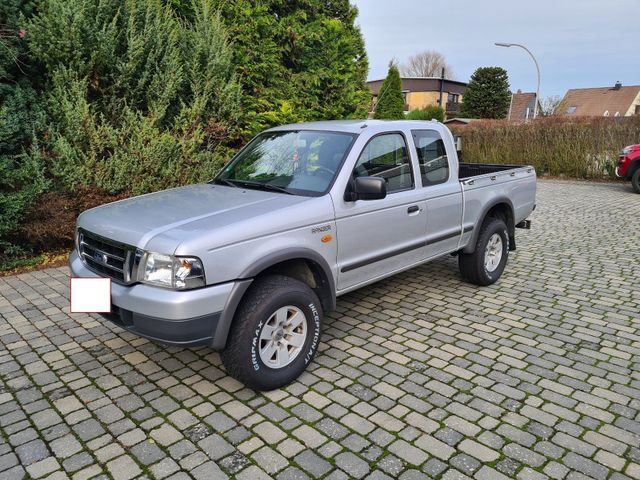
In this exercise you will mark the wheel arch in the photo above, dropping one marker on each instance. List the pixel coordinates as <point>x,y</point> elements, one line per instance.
<point>635,165</point>
<point>502,208</point>
<point>302,264</point>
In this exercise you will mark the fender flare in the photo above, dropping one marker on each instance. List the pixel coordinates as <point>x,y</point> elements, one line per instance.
<point>246,279</point>
<point>471,246</point>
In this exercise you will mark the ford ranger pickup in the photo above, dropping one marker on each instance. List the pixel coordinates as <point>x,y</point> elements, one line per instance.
<point>250,262</point>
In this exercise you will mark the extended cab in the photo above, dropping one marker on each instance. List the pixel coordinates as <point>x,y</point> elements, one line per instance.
<point>629,166</point>
<point>250,262</point>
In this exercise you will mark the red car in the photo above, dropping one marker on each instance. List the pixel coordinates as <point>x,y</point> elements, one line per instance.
<point>629,166</point>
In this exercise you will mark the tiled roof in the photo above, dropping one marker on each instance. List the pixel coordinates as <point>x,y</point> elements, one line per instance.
<point>520,102</point>
<point>596,101</point>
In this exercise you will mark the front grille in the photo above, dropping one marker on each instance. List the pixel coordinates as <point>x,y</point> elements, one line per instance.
<point>104,256</point>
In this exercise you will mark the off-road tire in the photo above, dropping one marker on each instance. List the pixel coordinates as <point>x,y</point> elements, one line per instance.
<point>265,296</point>
<point>472,265</point>
<point>635,180</point>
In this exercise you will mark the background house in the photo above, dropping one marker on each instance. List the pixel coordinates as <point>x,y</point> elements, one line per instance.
<point>616,101</point>
<point>522,106</point>
<point>424,92</point>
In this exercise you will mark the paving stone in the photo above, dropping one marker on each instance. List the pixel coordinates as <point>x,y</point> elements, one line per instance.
<point>465,463</point>
<point>147,453</point>
<point>77,462</point>
<point>449,436</point>
<point>523,455</point>
<point>123,468</point>
<point>215,446</point>
<point>353,465</point>
<point>479,451</point>
<point>234,463</point>
<point>391,465</point>
<point>292,473</point>
<point>32,452</point>
<point>574,444</point>
<point>312,463</point>
<point>419,375</point>
<point>210,470</point>
<point>508,466</point>
<point>586,466</point>
<point>408,453</point>
<point>40,468</point>
<point>434,467</point>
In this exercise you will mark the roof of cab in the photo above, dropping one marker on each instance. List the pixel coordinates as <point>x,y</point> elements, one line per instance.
<point>355,126</point>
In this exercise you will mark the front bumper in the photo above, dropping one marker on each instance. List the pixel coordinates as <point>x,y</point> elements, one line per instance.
<point>187,318</point>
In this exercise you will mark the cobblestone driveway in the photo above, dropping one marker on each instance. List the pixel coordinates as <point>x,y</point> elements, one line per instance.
<point>419,376</point>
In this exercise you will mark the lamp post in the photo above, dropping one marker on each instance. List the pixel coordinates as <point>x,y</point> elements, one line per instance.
<point>507,45</point>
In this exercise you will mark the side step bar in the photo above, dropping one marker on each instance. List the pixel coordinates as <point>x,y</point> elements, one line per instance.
<point>526,224</point>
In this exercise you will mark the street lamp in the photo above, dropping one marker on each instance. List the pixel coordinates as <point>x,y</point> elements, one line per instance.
<point>535,105</point>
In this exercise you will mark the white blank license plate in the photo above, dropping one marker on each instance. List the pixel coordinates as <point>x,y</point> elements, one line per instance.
<point>90,295</point>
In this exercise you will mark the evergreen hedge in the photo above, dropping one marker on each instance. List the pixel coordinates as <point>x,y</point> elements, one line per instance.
<point>134,96</point>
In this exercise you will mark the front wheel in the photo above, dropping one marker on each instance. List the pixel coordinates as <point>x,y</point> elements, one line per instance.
<point>635,180</point>
<point>485,265</point>
<point>275,333</point>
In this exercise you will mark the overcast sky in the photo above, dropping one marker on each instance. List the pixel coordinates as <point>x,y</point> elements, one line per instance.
<point>578,43</point>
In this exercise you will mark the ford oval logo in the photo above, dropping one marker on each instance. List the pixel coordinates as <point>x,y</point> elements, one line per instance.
<point>100,257</point>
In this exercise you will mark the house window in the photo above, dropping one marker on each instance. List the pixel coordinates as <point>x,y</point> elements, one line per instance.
<point>453,98</point>
<point>637,109</point>
<point>571,109</point>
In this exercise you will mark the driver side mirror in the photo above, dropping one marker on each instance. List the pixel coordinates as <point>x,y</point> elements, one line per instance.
<point>367,188</point>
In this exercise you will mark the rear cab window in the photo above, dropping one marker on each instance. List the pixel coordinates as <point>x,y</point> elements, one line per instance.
<point>432,157</point>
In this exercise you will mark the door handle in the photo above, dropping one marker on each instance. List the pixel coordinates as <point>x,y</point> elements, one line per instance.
<point>413,209</point>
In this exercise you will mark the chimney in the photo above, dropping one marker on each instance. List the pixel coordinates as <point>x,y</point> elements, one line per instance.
<point>618,85</point>
<point>519,91</point>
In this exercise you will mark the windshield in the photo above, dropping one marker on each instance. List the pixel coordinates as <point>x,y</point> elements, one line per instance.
<point>300,162</point>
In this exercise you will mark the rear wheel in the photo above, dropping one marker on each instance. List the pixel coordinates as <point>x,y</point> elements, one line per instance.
<point>275,333</point>
<point>485,265</point>
<point>635,180</point>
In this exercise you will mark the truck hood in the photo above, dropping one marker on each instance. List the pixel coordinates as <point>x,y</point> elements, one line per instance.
<point>161,221</point>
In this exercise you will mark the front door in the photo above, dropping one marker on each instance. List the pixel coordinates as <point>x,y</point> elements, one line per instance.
<point>378,237</point>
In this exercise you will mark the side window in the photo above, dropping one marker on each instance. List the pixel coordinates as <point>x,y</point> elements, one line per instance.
<point>386,156</point>
<point>432,156</point>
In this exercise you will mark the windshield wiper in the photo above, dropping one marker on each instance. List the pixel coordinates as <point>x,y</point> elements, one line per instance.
<point>224,181</point>
<point>264,186</point>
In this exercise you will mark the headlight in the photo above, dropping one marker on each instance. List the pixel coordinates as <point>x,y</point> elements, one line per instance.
<point>181,273</point>
<point>626,150</point>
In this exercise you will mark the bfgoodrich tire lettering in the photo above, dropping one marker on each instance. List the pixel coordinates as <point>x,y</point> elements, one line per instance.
<point>267,296</point>
<point>474,266</point>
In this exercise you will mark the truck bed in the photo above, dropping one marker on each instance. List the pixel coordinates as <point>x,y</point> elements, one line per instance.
<point>468,170</point>
<point>484,183</point>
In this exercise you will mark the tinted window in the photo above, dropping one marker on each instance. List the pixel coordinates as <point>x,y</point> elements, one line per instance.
<point>386,156</point>
<point>432,156</point>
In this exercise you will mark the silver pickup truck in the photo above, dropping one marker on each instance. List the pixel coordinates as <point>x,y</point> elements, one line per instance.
<point>249,262</point>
